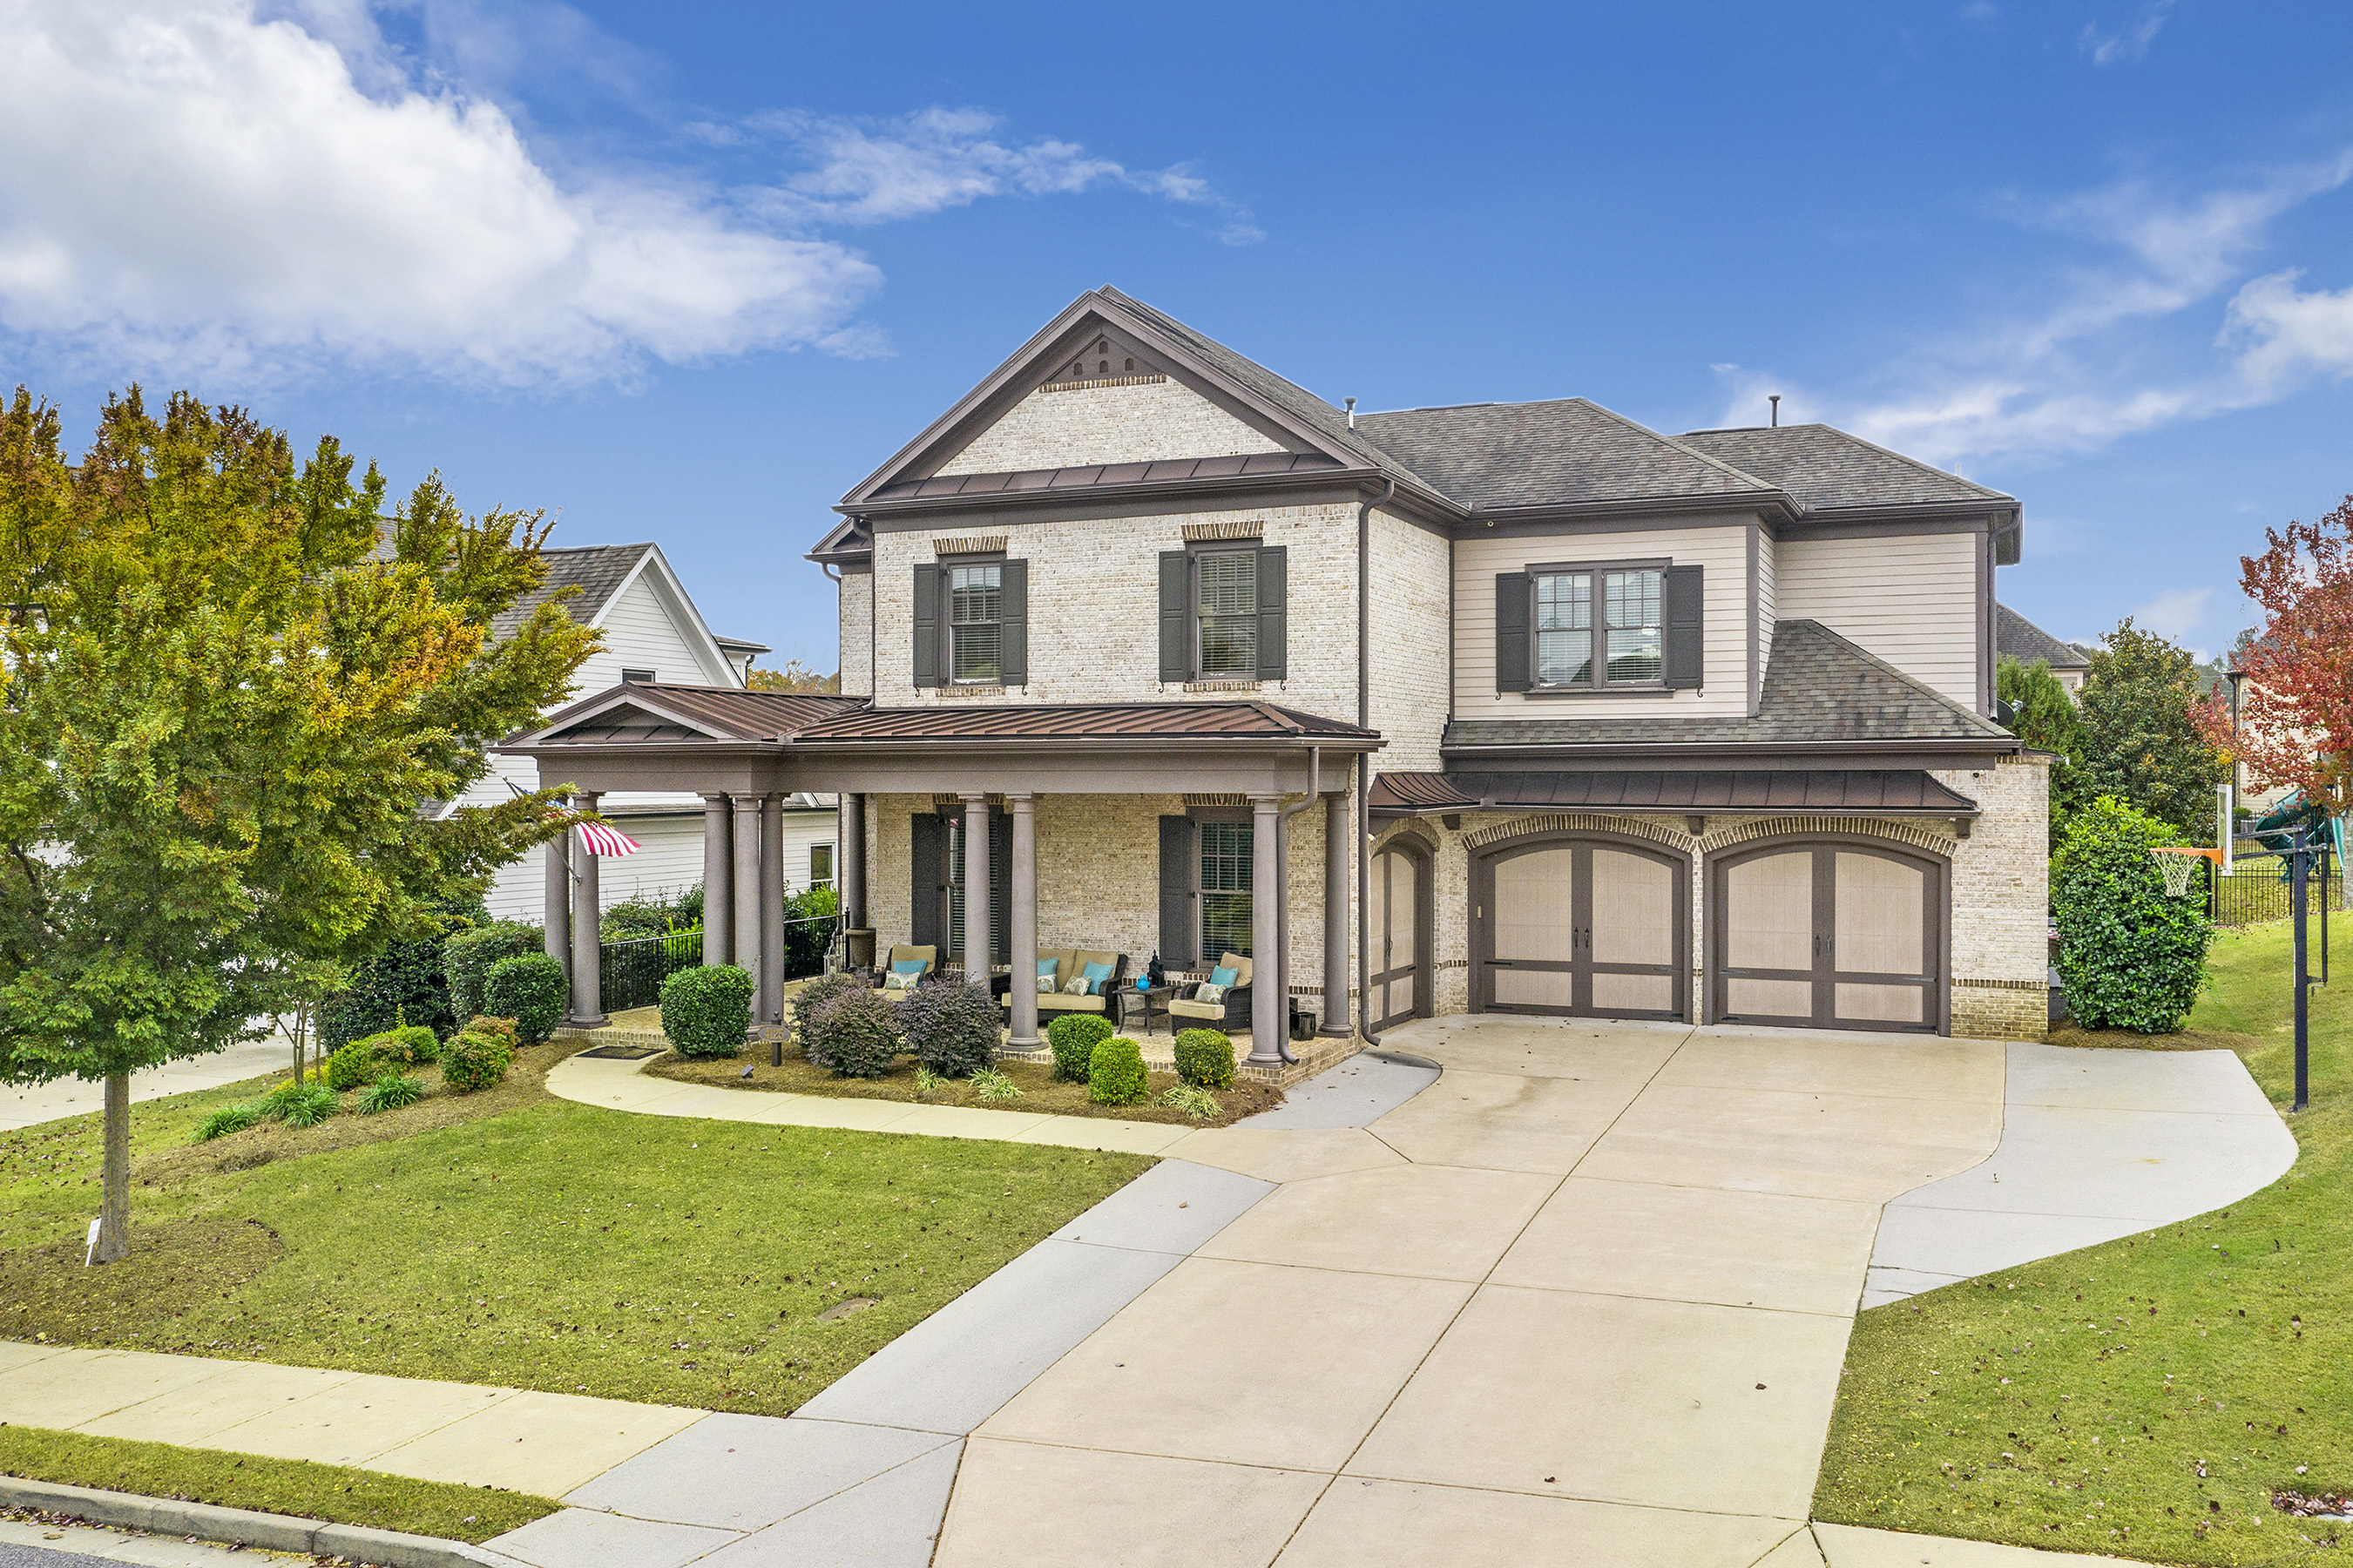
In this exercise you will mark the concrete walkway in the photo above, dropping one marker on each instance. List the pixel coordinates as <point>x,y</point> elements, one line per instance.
<point>29,1105</point>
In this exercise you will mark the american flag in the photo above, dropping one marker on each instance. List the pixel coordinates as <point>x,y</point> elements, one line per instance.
<point>602,839</point>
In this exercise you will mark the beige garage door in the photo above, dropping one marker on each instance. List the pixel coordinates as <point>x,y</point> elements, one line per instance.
<point>1588,929</point>
<point>1828,936</point>
<point>1396,932</point>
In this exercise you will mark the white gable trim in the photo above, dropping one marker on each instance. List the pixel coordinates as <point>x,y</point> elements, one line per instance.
<point>655,568</point>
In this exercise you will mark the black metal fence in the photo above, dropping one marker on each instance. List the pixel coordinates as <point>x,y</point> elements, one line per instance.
<point>2252,893</point>
<point>631,972</point>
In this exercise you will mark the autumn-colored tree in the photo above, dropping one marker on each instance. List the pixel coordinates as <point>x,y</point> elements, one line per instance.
<point>232,681</point>
<point>2140,744</point>
<point>2295,707</point>
<point>796,677</point>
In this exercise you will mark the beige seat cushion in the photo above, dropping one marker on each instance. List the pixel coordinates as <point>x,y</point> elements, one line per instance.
<point>1063,1002</point>
<point>1198,1009</point>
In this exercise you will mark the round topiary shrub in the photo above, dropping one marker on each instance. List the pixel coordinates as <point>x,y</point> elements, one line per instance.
<point>470,1061</point>
<point>952,1029</point>
<point>354,1064</point>
<point>1205,1057</point>
<point>1115,1073</point>
<point>858,1032</point>
<point>467,956</point>
<point>2131,955</point>
<point>529,990</point>
<point>815,993</point>
<point>1073,1037</point>
<point>408,1045</point>
<point>707,1011</point>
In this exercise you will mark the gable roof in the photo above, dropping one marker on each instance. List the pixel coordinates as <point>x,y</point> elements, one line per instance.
<point>1826,469</point>
<point>2015,636</point>
<point>599,571</point>
<point>662,710</point>
<point>1819,689</point>
<point>1493,455</point>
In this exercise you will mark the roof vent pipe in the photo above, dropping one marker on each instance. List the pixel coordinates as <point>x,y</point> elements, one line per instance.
<point>1352,411</point>
<point>1775,399</point>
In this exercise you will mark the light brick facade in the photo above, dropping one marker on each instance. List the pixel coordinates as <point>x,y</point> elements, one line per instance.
<point>857,634</point>
<point>1142,421</point>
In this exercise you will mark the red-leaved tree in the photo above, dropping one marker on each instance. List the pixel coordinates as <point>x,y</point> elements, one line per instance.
<point>2295,710</point>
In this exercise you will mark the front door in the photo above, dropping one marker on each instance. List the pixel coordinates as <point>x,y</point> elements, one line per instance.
<point>1394,934</point>
<point>1833,937</point>
<point>1584,927</point>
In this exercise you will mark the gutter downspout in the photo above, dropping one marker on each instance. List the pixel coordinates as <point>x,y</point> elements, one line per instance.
<point>1364,780</point>
<point>1282,890</point>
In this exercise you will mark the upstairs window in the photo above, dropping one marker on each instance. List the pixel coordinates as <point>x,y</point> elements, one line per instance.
<point>976,625</point>
<point>1599,628</point>
<point>821,865</point>
<point>1226,607</point>
<point>636,678</point>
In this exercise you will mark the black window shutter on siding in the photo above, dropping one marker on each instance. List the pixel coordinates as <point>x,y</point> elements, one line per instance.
<point>928,863</point>
<point>1013,616</point>
<point>1176,612</point>
<point>1686,658</point>
<point>927,625</point>
<point>1511,631</point>
<point>1176,921</point>
<point>1000,885</point>
<point>1274,612</point>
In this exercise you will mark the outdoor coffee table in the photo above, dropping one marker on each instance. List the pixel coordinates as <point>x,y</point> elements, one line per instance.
<point>1150,1003</point>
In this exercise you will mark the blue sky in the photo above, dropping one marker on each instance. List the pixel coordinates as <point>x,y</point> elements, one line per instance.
<point>687,273</point>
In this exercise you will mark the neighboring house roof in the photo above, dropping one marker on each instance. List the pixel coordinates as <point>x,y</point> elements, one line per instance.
<point>1826,469</point>
<point>2015,636</point>
<point>1880,792</point>
<point>1820,688</point>
<point>599,571</point>
<point>739,645</point>
<point>1494,455</point>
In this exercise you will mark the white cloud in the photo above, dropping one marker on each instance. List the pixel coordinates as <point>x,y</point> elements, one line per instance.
<point>2174,615</point>
<point>2129,42</point>
<point>2283,333</point>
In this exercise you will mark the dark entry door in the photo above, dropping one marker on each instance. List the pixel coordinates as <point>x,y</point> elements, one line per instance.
<point>1584,929</point>
<point>1832,937</point>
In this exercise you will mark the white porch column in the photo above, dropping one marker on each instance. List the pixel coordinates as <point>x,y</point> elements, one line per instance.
<point>850,861</point>
<point>976,890</point>
<point>772,910</point>
<point>1268,1021</point>
<point>745,885</point>
<point>1023,808</point>
<point>1336,913</point>
<point>718,882</point>
<point>587,908</point>
<point>555,904</point>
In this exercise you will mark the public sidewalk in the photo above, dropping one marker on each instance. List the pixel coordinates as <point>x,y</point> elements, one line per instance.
<point>29,1105</point>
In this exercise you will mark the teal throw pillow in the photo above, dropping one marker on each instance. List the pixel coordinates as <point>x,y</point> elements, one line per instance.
<point>1096,974</point>
<point>1224,977</point>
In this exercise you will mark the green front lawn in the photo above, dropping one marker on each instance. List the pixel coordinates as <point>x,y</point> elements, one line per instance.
<point>2145,1397</point>
<point>541,1245</point>
<point>332,1493</point>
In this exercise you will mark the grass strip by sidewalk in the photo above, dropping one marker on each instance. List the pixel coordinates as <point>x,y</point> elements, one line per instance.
<point>334,1494</point>
<point>2143,1397</point>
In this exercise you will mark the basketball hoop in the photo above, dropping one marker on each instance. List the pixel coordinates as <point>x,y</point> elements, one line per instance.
<point>2176,863</point>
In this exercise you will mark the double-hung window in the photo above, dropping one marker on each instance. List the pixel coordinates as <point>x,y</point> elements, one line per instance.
<point>976,625</point>
<point>1599,628</point>
<point>1226,872</point>
<point>1226,608</point>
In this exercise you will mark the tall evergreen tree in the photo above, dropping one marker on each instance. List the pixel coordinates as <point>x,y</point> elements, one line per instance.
<point>2043,715</point>
<point>2141,742</point>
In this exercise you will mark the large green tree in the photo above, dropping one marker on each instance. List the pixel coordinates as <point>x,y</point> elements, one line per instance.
<point>2044,716</point>
<point>2140,743</point>
<point>232,681</point>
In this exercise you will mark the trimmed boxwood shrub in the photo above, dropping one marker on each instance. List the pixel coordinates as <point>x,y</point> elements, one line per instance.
<point>2131,955</point>
<point>707,1011</point>
<point>813,994</point>
<point>1205,1057</point>
<point>466,957</point>
<point>497,1028</point>
<point>408,1045</point>
<point>1073,1037</point>
<point>470,1061</point>
<point>529,990</point>
<point>1115,1073</point>
<point>857,1032</point>
<point>952,1029</point>
<point>354,1064</point>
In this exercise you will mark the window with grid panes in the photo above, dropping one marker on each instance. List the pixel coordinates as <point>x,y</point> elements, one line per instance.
<point>1599,628</point>
<point>1226,872</point>
<point>1227,605</point>
<point>976,625</point>
<point>821,865</point>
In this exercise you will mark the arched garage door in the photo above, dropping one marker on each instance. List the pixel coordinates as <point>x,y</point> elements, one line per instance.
<point>1828,935</point>
<point>1587,927</point>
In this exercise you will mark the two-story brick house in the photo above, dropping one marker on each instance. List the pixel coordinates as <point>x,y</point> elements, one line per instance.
<point>1511,707</point>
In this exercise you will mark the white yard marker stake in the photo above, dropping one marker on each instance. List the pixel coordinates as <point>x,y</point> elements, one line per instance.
<point>92,1250</point>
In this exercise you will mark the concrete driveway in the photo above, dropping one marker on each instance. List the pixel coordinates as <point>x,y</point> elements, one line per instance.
<point>1584,1299</point>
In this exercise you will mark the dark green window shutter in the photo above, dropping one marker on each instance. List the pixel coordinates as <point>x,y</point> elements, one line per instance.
<point>1512,631</point>
<point>1273,610</point>
<point>1680,605</point>
<point>1013,615</point>
<point>1178,920</point>
<point>1000,884</point>
<point>928,863</point>
<point>1175,613</point>
<point>927,626</point>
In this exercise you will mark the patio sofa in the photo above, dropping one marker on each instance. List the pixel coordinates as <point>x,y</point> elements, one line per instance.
<point>929,957</point>
<point>1231,1013</point>
<point>1067,962</point>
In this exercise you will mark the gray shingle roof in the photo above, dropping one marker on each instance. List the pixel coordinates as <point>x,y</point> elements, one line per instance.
<point>1818,688</point>
<point>2015,636</point>
<point>1825,469</point>
<point>597,569</point>
<point>1495,455</point>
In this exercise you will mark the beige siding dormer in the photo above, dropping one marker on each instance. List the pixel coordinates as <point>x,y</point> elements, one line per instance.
<point>1145,419</point>
<point>1911,599</point>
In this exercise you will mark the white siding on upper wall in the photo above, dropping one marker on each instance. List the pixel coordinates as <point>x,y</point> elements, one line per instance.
<point>1768,611</point>
<point>669,861</point>
<point>1145,422</point>
<point>1911,599</point>
<point>639,634</point>
<point>1719,545</point>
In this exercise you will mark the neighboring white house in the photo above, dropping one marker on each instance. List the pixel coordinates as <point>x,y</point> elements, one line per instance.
<point>653,633</point>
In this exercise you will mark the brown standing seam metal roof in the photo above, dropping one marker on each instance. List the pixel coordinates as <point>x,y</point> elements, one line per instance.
<point>1084,720</point>
<point>1906,790</point>
<point>732,711</point>
<point>1028,480</point>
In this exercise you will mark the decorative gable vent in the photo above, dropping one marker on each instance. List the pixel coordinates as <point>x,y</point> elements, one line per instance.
<point>1104,361</point>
